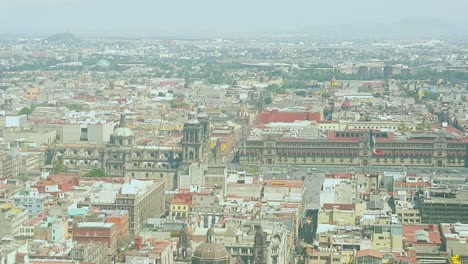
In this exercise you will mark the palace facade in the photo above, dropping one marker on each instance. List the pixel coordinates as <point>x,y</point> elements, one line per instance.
<point>352,148</point>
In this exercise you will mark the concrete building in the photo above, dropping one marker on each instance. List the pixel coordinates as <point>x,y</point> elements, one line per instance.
<point>51,229</point>
<point>97,232</point>
<point>36,137</point>
<point>11,219</point>
<point>93,133</point>
<point>92,252</point>
<point>150,251</point>
<point>32,200</point>
<point>328,256</point>
<point>445,206</point>
<point>142,199</point>
<point>6,166</point>
<point>16,120</point>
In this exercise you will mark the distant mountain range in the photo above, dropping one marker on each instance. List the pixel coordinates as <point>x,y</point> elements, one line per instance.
<point>414,27</point>
<point>62,37</point>
<point>408,28</point>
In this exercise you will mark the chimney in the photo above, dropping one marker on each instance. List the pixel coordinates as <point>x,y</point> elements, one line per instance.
<point>138,242</point>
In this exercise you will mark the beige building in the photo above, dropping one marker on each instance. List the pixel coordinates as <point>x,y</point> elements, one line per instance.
<point>341,214</point>
<point>142,199</point>
<point>11,219</point>
<point>329,256</point>
<point>37,137</point>
<point>93,133</point>
<point>386,237</point>
<point>13,164</point>
<point>408,215</point>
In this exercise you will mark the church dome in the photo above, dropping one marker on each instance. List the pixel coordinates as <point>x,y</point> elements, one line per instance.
<point>122,131</point>
<point>210,250</point>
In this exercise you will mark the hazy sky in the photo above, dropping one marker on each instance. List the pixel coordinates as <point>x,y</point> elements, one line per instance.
<point>198,17</point>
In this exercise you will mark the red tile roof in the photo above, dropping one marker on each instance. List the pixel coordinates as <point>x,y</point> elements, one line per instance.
<point>288,117</point>
<point>409,232</point>
<point>369,253</point>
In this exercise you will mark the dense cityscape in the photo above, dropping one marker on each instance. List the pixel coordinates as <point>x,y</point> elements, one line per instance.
<point>240,151</point>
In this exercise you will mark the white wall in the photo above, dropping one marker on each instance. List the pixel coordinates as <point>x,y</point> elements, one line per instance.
<point>16,121</point>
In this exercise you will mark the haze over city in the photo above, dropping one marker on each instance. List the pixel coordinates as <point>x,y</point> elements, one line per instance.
<point>210,18</point>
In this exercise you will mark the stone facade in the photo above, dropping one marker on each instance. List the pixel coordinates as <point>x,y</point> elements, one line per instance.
<point>352,149</point>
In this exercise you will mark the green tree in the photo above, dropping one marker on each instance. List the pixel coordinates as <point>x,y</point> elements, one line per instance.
<point>26,110</point>
<point>59,167</point>
<point>423,125</point>
<point>75,107</point>
<point>365,89</point>
<point>268,100</point>
<point>95,173</point>
<point>275,89</point>
<point>326,95</point>
<point>24,177</point>
<point>403,127</point>
<point>300,93</point>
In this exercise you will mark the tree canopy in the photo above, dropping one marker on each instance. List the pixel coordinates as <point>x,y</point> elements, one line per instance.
<point>95,173</point>
<point>26,110</point>
<point>59,167</point>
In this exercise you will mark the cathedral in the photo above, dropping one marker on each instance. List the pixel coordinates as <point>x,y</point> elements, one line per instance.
<point>122,157</point>
<point>251,246</point>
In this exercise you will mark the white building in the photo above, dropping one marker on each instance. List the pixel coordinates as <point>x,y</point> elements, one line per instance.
<point>16,120</point>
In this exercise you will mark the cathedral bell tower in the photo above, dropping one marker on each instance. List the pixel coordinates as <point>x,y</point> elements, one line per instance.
<point>260,248</point>
<point>184,248</point>
<point>192,142</point>
<point>204,120</point>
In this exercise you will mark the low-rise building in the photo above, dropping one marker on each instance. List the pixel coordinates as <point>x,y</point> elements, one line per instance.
<point>32,200</point>
<point>97,232</point>
<point>11,219</point>
<point>142,199</point>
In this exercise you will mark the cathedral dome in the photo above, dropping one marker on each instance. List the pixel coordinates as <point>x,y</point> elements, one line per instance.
<point>210,250</point>
<point>122,131</point>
